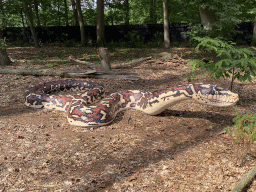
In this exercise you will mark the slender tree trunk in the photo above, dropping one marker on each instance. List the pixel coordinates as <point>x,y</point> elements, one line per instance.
<point>127,12</point>
<point>59,11</point>
<point>254,34</point>
<point>66,12</point>
<point>22,18</point>
<point>4,59</point>
<point>30,21</point>
<point>36,12</point>
<point>166,25</point>
<point>207,17</point>
<point>81,21</point>
<point>76,23</point>
<point>100,23</point>
<point>2,17</point>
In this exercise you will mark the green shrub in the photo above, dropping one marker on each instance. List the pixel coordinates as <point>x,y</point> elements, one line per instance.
<point>240,63</point>
<point>243,133</point>
<point>134,40</point>
<point>194,31</point>
<point>243,129</point>
<point>156,40</point>
<point>3,44</point>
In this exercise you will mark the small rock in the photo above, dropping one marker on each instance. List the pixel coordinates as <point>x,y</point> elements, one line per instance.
<point>165,167</point>
<point>169,184</point>
<point>182,187</point>
<point>207,155</point>
<point>224,160</point>
<point>67,182</point>
<point>132,178</point>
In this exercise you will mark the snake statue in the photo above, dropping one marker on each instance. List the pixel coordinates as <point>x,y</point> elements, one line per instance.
<point>80,113</point>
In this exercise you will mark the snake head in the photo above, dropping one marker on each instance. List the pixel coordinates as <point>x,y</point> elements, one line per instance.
<point>214,95</point>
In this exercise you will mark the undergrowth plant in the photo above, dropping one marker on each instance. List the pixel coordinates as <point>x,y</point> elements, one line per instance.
<point>239,63</point>
<point>243,132</point>
<point>190,76</point>
<point>244,128</point>
<point>3,44</point>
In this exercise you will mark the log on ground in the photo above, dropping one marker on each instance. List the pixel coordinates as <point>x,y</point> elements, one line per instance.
<point>72,74</point>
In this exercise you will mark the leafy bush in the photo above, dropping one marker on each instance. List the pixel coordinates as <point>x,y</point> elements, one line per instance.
<point>134,40</point>
<point>156,40</point>
<point>131,40</point>
<point>244,128</point>
<point>194,31</point>
<point>240,63</point>
<point>223,30</point>
<point>243,133</point>
<point>3,44</point>
<point>69,43</point>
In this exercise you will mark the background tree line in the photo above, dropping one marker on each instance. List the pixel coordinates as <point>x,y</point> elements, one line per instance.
<point>218,17</point>
<point>65,13</point>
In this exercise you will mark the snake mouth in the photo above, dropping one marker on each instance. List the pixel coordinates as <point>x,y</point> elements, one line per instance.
<point>221,100</point>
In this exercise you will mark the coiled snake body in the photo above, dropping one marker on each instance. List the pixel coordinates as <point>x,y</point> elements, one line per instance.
<point>80,114</point>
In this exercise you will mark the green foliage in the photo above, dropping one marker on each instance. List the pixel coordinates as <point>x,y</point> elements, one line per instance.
<point>241,63</point>
<point>3,44</point>
<point>244,128</point>
<point>217,31</point>
<point>157,40</point>
<point>132,40</point>
<point>115,13</point>
<point>69,43</point>
<point>144,11</point>
<point>190,76</point>
<point>89,16</point>
<point>194,31</point>
<point>227,15</point>
<point>52,65</point>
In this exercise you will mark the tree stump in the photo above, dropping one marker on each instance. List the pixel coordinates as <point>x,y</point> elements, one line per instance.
<point>104,57</point>
<point>4,59</point>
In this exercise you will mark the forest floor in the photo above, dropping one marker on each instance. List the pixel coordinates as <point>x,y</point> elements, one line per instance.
<point>182,149</point>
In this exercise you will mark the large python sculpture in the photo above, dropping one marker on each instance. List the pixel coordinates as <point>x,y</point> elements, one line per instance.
<point>80,114</point>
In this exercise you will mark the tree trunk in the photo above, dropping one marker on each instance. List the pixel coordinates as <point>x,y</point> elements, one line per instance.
<point>59,11</point>
<point>166,25</point>
<point>81,21</point>
<point>66,12</point>
<point>254,34</point>
<point>100,23</point>
<point>4,59</point>
<point>76,23</point>
<point>104,56</point>
<point>36,12</point>
<point>2,14</point>
<point>30,21</point>
<point>207,17</point>
<point>22,18</point>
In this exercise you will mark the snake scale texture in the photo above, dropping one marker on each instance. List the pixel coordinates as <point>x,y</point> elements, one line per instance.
<point>79,113</point>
